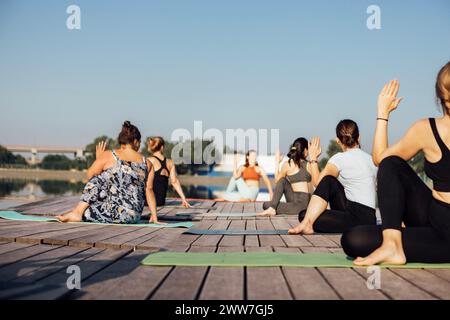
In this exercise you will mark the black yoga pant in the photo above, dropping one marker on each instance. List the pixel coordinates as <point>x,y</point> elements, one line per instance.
<point>403,196</point>
<point>343,213</point>
<point>295,201</point>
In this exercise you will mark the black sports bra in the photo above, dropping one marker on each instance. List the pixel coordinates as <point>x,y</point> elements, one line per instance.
<point>301,176</point>
<point>439,172</point>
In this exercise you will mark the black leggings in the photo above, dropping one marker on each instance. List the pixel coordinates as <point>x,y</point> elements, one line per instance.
<point>295,201</point>
<point>343,214</point>
<point>403,196</point>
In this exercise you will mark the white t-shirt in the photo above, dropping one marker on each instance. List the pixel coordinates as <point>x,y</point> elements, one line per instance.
<point>357,174</point>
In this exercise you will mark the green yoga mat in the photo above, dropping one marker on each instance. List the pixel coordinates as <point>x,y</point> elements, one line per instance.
<point>235,232</point>
<point>265,259</point>
<point>13,215</point>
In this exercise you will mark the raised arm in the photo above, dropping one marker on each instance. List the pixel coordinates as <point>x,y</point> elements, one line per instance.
<point>149,194</point>
<point>99,164</point>
<point>314,151</point>
<point>177,185</point>
<point>409,145</point>
<point>280,173</point>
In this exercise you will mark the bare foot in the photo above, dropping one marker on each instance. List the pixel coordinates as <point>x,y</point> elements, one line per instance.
<point>303,228</point>
<point>71,216</point>
<point>269,212</point>
<point>388,253</point>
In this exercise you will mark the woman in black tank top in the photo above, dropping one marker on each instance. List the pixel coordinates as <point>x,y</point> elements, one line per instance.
<point>164,171</point>
<point>415,219</point>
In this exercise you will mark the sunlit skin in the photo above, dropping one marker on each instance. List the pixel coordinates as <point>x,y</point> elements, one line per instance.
<point>104,161</point>
<point>290,168</point>
<point>172,174</point>
<point>237,173</point>
<point>317,205</point>
<point>418,138</point>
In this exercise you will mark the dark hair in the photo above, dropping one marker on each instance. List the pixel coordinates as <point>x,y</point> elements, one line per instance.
<point>347,132</point>
<point>246,158</point>
<point>156,143</point>
<point>297,151</point>
<point>443,88</point>
<point>129,134</point>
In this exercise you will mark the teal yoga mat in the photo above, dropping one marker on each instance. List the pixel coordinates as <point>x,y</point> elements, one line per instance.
<point>235,232</point>
<point>13,215</point>
<point>265,259</point>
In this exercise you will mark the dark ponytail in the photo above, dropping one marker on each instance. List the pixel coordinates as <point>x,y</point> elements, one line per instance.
<point>129,134</point>
<point>297,151</point>
<point>347,132</point>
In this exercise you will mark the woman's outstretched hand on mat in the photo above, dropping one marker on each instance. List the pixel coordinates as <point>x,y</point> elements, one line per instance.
<point>314,149</point>
<point>154,219</point>
<point>185,204</point>
<point>100,149</point>
<point>387,100</point>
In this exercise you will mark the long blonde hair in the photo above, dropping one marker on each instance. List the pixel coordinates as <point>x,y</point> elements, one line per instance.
<point>443,88</point>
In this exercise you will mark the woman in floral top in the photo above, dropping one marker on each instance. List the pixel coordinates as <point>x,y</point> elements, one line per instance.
<point>119,182</point>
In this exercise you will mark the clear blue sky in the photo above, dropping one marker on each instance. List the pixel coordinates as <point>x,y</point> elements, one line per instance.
<point>299,66</point>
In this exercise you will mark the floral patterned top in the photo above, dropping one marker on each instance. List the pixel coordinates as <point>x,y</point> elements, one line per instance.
<point>117,195</point>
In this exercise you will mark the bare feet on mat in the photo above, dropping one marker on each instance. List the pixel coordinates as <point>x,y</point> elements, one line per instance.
<point>269,212</point>
<point>71,216</point>
<point>388,253</point>
<point>303,228</point>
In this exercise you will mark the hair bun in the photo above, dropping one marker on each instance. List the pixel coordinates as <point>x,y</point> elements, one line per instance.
<point>127,124</point>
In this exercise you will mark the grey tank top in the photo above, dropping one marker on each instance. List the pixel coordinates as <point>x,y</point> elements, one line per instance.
<point>301,176</point>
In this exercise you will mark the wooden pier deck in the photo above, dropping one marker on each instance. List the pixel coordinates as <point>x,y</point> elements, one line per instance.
<point>34,257</point>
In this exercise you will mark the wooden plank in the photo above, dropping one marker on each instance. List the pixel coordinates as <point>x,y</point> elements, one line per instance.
<point>212,240</point>
<point>51,226</point>
<point>124,279</point>
<point>23,253</point>
<point>268,240</point>
<point>224,283</point>
<point>90,240</point>
<point>234,241</point>
<point>64,238</point>
<point>47,237</point>
<point>426,281</point>
<point>120,241</point>
<point>11,246</point>
<point>306,283</point>
<point>290,240</point>
<point>59,266</point>
<point>251,241</point>
<point>396,287</point>
<point>88,267</point>
<point>183,283</point>
<point>29,265</point>
<point>266,283</point>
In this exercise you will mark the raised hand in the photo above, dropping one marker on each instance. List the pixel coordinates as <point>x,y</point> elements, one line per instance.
<point>100,149</point>
<point>387,100</point>
<point>314,149</point>
<point>278,156</point>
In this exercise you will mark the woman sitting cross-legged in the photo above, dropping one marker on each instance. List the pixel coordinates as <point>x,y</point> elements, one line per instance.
<point>415,219</point>
<point>293,180</point>
<point>346,185</point>
<point>244,184</point>
<point>119,182</point>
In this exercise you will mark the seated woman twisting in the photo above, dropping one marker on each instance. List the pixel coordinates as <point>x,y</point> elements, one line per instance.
<point>119,182</point>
